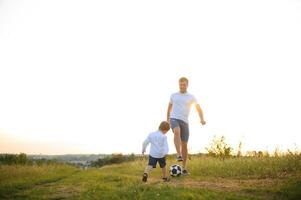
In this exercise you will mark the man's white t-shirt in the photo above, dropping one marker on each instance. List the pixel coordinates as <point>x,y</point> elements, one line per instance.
<point>181,104</point>
<point>159,145</point>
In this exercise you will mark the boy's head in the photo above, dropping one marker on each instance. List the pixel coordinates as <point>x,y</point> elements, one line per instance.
<point>183,84</point>
<point>164,127</point>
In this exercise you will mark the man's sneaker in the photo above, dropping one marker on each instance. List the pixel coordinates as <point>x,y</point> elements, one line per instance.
<point>144,178</point>
<point>166,179</point>
<point>185,172</point>
<point>179,158</point>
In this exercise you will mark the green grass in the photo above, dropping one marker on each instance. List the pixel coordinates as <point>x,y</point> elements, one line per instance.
<point>211,178</point>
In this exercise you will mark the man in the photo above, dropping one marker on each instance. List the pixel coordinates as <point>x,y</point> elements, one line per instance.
<point>177,114</point>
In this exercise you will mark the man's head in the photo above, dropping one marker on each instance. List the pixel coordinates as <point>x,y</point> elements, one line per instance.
<point>164,127</point>
<point>183,84</point>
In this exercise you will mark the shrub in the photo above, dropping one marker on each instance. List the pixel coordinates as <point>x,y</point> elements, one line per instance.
<point>112,159</point>
<point>219,148</point>
<point>10,159</point>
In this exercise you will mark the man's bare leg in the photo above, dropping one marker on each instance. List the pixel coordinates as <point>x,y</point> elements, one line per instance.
<point>184,154</point>
<point>177,140</point>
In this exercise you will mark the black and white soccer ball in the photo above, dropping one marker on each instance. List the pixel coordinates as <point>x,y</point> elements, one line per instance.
<point>175,170</point>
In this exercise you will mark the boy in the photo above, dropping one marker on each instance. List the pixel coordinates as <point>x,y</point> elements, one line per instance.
<point>158,150</point>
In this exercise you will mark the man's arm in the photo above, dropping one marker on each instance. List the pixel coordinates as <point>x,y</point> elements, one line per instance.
<point>200,111</point>
<point>168,111</point>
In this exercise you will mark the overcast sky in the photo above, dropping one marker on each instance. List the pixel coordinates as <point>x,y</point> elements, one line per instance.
<point>96,76</point>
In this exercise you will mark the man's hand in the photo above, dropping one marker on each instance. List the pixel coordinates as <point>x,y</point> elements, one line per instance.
<point>168,112</point>
<point>200,111</point>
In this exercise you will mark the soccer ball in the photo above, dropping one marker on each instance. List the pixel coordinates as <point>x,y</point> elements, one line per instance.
<point>175,170</point>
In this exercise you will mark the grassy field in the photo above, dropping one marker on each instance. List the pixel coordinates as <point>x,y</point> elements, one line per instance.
<point>210,178</point>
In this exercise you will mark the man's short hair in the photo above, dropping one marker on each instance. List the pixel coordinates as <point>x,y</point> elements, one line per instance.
<point>183,79</point>
<point>164,126</point>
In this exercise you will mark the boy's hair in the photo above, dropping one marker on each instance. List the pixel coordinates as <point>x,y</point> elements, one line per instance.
<point>183,79</point>
<point>164,126</point>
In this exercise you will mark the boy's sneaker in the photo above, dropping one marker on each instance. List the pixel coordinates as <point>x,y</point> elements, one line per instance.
<point>166,179</point>
<point>144,178</point>
<point>179,158</point>
<point>185,172</point>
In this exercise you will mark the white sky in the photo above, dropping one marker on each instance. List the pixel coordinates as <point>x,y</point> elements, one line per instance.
<point>96,76</point>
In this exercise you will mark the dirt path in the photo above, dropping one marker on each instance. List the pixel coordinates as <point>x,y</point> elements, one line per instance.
<point>247,187</point>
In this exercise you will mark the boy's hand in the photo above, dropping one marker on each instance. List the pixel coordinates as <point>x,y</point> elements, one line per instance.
<point>203,122</point>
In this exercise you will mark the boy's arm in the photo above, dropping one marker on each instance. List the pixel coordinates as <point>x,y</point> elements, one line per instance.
<point>165,146</point>
<point>168,111</point>
<point>200,111</point>
<point>145,143</point>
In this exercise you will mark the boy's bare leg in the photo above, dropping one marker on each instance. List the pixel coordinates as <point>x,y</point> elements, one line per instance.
<point>164,172</point>
<point>177,140</point>
<point>148,168</point>
<point>184,154</point>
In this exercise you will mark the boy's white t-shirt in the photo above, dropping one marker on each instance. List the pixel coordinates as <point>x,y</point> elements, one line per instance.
<point>181,104</point>
<point>159,145</point>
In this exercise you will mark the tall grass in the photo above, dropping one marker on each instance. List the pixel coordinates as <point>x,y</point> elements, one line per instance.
<point>246,167</point>
<point>123,180</point>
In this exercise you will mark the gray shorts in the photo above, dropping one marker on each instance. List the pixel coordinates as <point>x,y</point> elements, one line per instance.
<point>184,128</point>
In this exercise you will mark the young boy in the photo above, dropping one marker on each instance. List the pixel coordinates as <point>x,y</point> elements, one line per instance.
<point>158,150</point>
